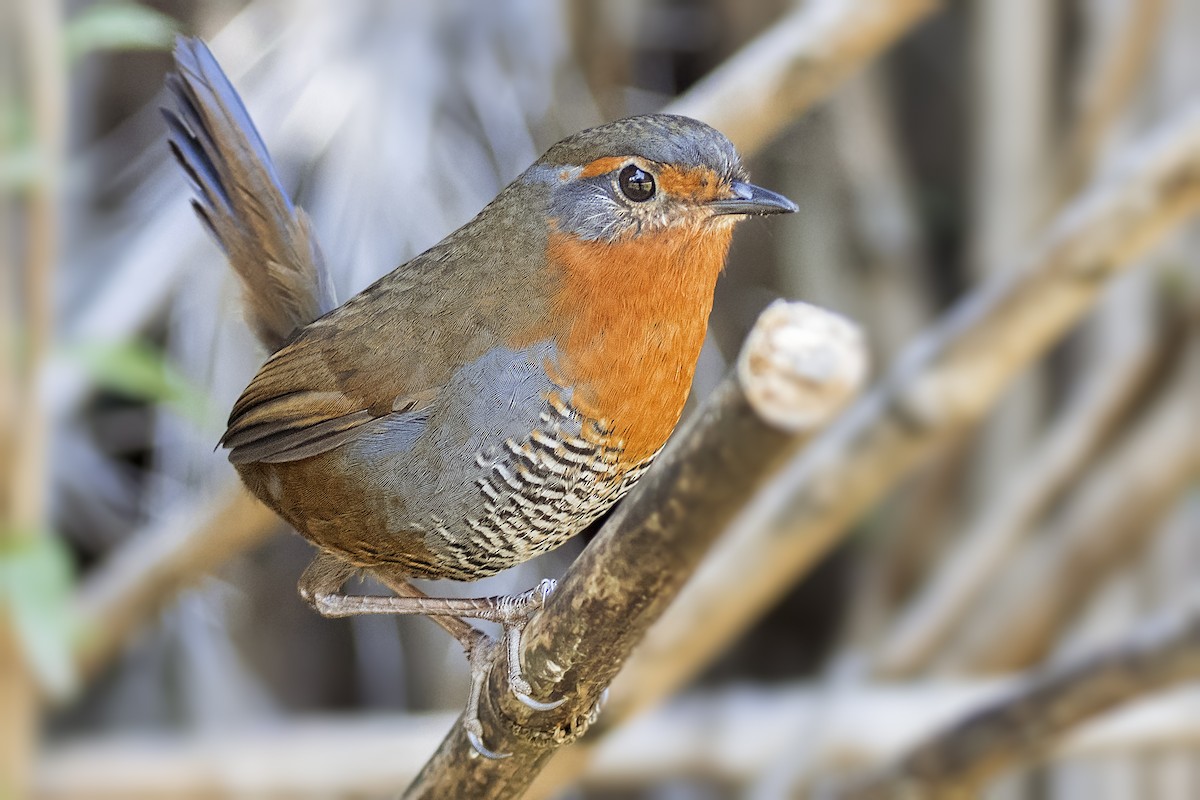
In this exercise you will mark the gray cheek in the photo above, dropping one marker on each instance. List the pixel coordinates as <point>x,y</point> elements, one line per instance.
<point>587,209</point>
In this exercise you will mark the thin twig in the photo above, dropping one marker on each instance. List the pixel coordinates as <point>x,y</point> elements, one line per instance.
<point>1107,89</point>
<point>24,500</point>
<point>798,368</point>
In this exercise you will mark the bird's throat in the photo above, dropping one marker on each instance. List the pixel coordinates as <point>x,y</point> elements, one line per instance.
<point>630,318</point>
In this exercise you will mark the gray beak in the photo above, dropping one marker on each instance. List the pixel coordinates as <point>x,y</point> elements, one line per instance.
<point>751,199</point>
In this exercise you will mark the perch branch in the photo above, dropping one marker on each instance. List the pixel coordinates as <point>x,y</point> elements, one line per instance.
<point>1025,725</point>
<point>943,382</point>
<point>797,369</point>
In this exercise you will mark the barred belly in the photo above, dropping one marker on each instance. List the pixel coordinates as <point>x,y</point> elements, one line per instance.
<point>535,494</point>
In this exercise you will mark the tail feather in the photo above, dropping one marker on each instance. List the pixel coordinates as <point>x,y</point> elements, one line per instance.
<point>239,198</point>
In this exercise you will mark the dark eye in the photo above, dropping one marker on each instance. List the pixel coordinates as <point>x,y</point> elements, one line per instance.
<point>636,183</point>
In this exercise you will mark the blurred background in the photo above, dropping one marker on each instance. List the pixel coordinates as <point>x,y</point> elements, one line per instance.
<point>152,643</point>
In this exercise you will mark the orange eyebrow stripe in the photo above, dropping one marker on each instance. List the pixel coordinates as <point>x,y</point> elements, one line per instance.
<point>602,166</point>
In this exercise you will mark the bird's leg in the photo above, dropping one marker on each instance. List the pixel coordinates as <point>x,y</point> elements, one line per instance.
<point>321,586</point>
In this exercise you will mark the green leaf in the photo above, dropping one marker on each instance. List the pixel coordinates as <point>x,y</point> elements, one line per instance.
<point>118,26</point>
<point>137,370</point>
<point>36,579</point>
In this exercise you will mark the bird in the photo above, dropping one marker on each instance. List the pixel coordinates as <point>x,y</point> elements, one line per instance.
<point>488,399</point>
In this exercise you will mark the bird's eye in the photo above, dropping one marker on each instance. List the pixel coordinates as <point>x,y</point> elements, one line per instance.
<point>636,183</point>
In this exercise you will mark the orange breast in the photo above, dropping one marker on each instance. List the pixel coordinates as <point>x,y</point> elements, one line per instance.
<point>630,319</point>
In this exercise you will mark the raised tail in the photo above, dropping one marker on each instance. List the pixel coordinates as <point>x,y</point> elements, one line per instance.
<point>269,241</point>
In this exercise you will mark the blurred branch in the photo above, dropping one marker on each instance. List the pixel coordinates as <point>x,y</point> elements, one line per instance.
<point>728,735</point>
<point>1012,111</point>
<point>943,382</point>
<point>1024,726</point>
<point>47,94</point>
<point>156,563</point>
<point>1116,378</point>
<point>779,75</point>
<point>1007,517</point>
<point>798,368</point>
<point>1107,87</point>
<point>1105,524</point>
<point>24,501</point>
<point>897,290</point>
<point>884,212</point>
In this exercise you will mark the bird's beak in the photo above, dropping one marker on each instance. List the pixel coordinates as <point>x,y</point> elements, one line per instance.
<point>751,199</point>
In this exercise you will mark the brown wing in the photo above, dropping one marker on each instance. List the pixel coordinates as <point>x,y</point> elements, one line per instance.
<point>298,406</point>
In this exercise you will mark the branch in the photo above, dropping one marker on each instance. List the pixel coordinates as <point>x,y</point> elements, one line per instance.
<point>1108,86</point>
<point>158,562</point>
<point>1024,726</point>
<point>943,382</point>
<point>1105,524</point>
<point>798,62</point>
<point>797,369</point>
<point>25,494</point>
<point>883,212</point>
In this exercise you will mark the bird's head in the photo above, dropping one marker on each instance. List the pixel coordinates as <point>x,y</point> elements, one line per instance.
<point>646,176</point>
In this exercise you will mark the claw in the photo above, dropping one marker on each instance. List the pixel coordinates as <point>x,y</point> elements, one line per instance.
<point>536,705</point>
<point>515,614</point>
<point>546,588</point>
<point>473,731</point>
<point>480,661</point>
<point>517,684</point>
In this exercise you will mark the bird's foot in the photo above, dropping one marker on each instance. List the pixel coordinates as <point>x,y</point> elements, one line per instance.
<point>522,608</point>
<point>479,657</point>
<point>513,612</point>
